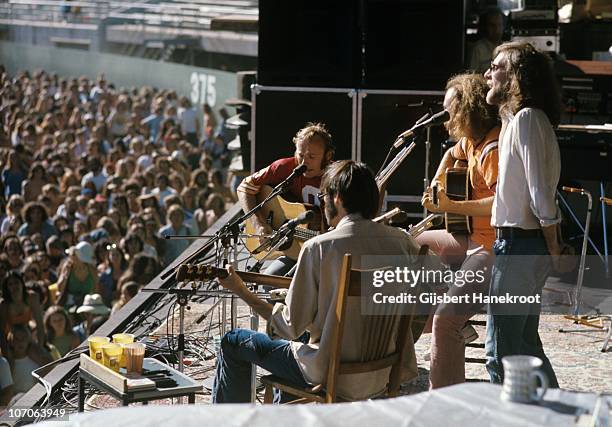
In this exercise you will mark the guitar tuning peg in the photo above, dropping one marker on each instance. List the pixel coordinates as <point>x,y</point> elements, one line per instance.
<point>192,271</point>
<point>182,272</point>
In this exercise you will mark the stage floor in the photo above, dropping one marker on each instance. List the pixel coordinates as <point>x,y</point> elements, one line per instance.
<point>576,356</point>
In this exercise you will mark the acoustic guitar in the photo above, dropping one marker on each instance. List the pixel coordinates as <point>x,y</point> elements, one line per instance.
<point>196,272</point>
<point>277,212</point>
<point>458,188</point>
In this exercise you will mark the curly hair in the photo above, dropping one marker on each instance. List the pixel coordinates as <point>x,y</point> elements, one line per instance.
<point>31,206</point>
<point>532,81</point>
<point>470,114</point>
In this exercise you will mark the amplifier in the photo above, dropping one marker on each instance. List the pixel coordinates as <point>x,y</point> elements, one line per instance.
<point>545,43</point>
<point>586,152</point>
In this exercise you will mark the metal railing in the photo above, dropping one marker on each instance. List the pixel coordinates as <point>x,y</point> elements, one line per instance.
<point>195,14</point>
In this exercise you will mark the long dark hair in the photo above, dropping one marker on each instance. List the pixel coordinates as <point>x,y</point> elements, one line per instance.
<point>532,80</point>
<point>49,329</point>
<point>6,294</point>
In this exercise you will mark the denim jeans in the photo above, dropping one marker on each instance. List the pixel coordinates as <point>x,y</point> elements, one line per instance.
<point>521,267</point>
<point>239,349</point>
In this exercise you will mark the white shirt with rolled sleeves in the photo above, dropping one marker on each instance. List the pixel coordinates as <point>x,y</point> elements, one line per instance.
<point>529,171</point>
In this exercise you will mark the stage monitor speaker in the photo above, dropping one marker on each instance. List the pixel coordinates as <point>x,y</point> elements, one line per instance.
<point>279,114</point>
<point>412,44</point>
<point>314,43</point>
<point>383,115</point>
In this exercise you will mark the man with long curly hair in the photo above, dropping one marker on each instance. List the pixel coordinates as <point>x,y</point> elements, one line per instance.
<point>522,84</point>
<point>475,125</point>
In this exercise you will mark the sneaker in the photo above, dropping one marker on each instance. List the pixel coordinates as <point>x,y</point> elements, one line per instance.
<point>469,333</point>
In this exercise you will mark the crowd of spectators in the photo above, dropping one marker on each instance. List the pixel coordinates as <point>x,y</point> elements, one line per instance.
<point>92,179</point>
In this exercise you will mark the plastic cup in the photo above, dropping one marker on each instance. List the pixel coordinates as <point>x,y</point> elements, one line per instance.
<point>111,355</point>
<point>134,357</point>
<point>123,339</point>
<point>95,344</point>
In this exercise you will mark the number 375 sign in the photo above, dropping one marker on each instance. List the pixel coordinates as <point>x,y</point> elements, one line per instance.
<point>203,89</point>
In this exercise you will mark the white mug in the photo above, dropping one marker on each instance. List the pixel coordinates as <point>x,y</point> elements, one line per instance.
<point>520,374</point>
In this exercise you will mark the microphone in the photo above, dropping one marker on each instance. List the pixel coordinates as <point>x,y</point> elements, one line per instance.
<point>435,120</point>
<point>299,170</point>
<point>284,231</point>
<point>303,218</point>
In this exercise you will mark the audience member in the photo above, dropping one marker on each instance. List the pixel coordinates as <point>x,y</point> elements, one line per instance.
<point>88,168</point>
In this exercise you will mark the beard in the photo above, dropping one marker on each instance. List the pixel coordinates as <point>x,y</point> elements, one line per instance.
<point>330,212</point>
<point>497,94</point>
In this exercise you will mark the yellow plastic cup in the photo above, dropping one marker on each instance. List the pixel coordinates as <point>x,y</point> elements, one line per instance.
<point>95,344</point>
<point>111,355</point>
<point>123,339</point>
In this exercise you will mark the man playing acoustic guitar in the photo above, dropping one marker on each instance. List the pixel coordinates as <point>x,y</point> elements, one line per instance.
<point>314,148</point>
<point>476,126</point>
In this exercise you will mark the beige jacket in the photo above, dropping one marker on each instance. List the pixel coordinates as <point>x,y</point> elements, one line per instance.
<point>311,297</point>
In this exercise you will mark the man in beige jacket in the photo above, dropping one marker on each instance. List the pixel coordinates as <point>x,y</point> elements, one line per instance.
<point>350,196</point>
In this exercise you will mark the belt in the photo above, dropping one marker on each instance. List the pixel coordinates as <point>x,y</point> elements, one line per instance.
<point>511,232</point>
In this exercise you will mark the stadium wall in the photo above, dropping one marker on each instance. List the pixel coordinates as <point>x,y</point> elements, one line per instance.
<point>199,84</point>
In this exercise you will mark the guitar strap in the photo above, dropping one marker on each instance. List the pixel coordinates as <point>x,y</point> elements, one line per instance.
<point>490,147</point>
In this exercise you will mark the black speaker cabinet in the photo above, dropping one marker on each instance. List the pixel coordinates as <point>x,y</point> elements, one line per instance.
<point>412,44</point>
<point>314,43</point>
<point>279,112</point>
<point>381,116</point>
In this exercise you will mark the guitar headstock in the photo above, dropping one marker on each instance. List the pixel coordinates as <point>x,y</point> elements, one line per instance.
<point>186,272</point>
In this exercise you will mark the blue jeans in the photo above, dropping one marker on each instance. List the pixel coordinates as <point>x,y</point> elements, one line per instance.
<point>239,349</point>
<point>521,267</point>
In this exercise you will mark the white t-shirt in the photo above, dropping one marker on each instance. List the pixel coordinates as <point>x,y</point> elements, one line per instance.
<point>188,118</point>
<point>98,180</point>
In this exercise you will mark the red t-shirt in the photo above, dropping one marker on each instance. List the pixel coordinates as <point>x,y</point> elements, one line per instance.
<point>301,189</point>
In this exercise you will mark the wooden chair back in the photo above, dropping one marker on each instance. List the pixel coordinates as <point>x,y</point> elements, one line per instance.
<point>381,328</point>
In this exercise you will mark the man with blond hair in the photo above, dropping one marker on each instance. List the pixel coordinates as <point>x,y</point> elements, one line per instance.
<point>314,148</point>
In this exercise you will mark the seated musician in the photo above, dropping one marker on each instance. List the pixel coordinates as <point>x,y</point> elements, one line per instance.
<point>314,148</point>
<point>476,126</point>
<point>351,201</point>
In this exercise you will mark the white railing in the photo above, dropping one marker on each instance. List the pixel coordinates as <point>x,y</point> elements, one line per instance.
<point>194,14</point>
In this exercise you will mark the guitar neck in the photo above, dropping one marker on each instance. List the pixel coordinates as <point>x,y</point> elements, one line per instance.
<point>187,272</point>
<point>264,279</point>
<point>305,233</point>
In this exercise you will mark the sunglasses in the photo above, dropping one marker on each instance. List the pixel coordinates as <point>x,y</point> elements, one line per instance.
<point>321,196</point>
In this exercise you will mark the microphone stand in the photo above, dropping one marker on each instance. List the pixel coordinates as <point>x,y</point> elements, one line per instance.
<point>230,232</point>
<point>232,228</point>
<point>280,239</point>
<point>384,163</point>
<point>427,155</point>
